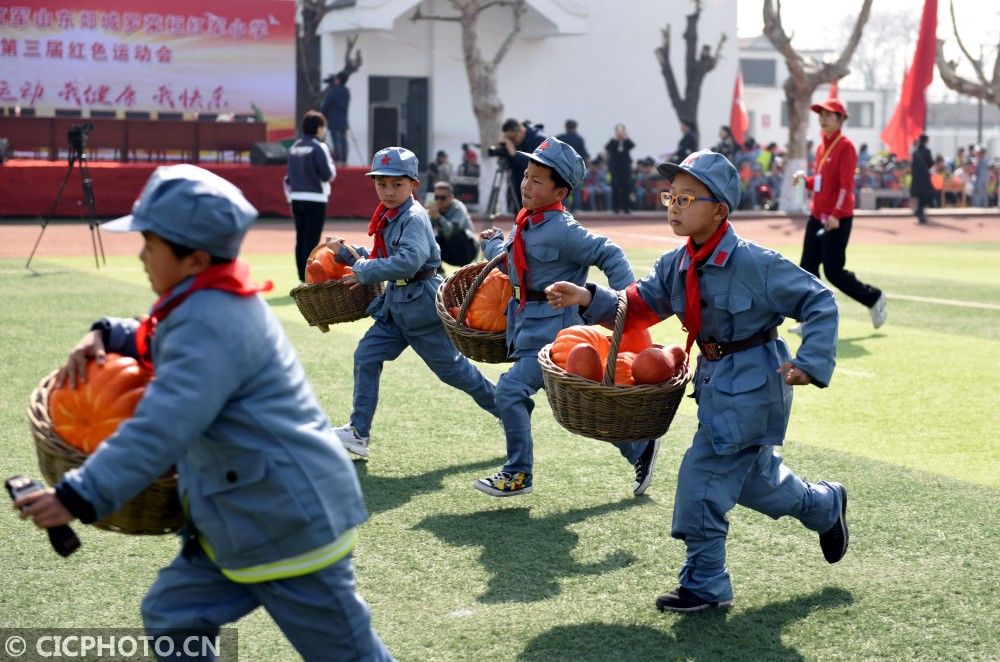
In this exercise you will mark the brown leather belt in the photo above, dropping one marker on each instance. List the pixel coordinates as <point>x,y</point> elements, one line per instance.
<point>420,275</point>
<point>713,351</point>
<point>529,295</point>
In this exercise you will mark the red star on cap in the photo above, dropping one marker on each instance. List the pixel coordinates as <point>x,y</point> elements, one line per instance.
<point>544,146</point>
<point>386,160</point>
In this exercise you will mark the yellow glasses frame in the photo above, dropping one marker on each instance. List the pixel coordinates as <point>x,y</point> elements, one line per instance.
<point>683,200</point>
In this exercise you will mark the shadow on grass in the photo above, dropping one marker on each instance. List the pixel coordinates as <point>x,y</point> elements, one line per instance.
<point>384,493</point>
<point>849,348</point>
<point>712,635</point>
<point>525,556</point>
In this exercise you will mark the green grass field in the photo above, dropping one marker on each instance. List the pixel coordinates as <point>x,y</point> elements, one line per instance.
<point>570,572</point>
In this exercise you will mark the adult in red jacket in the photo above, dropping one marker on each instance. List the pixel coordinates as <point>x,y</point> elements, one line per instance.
<point>832,213</point>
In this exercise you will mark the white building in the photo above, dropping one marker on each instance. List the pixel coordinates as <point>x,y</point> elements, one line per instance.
<point>764,74</point>
<point>590,60</point>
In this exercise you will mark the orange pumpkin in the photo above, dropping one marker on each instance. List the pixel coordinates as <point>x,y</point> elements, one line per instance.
<point>635,341</point>
<point>569,337</point>
<point>315,273</point>
<point>653,366</point>
<point>584,361</point>
<point>488,310</point>
<point>87,415</point>
<point>324,266</point>
<point>678,354</point>
<point>623,369</point>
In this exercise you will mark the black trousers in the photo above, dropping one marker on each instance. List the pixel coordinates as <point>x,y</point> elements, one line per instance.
<point>830,250</point>
<point>922,201</point>
<point>621,189</point>
<point>309,216</point>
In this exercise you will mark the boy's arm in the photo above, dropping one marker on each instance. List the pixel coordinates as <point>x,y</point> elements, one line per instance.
<point>648,300</point>
<point>586,248</point>
<point>411,254</point>
<point>795,293</point>
<point>493,244</point>
<point>118,334</point>
<point>196,373</point>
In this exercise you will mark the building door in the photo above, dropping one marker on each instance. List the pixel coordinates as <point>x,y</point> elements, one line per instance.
<point>398,114</point>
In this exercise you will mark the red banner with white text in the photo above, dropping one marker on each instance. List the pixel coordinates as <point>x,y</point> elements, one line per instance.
<point>158,57</point>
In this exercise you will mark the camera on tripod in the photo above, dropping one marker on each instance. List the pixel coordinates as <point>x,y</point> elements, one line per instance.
<point>77,139</point>
<point>496,150</point>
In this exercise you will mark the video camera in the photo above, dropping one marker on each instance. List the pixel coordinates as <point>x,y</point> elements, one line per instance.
<point>77,138</point>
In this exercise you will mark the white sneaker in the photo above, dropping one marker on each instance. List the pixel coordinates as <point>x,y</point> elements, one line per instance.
<point>878,312</point>
<point>797,329</point>
<point>353,442</point>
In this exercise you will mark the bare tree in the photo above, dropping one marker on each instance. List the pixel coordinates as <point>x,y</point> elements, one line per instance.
<point>805,74</point>
<point>882,53</point>
<point>982,88</point>
<point>308,86</point>
<point>696,66</point>
<point>482,72</point>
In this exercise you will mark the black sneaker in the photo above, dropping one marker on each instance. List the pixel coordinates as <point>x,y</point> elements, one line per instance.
<point>644,467</point>
<point>833,541</point>
<point>683,600</point>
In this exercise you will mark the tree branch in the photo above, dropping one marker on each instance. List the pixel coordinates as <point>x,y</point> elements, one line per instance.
<point>775,32</point>
<point>977,65</point>
<point>962,85</point>
<point>852,43</point>
<point>420,16</point>
<point>663,55</point>
<point>494,3</point>
<point>505,46</point>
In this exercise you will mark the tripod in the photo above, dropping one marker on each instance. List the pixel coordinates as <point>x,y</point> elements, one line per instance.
<point>500,182</point>
<point>77,155</point>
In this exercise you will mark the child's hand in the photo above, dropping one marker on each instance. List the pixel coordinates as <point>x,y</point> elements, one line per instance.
<point>91,346</point>
<point>44,508</point>
<point>489,233</point>
<point>351,280</point>
<point>565,294</point>
<point>794,376</point>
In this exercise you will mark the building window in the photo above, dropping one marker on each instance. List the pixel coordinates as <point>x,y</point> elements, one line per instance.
<point>759,72</point>
<point>861,114</point>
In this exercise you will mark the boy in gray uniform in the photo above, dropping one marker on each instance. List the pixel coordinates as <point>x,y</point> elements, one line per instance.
<point>547,245</point>
<point>731,296</point>
<point>406,255</point>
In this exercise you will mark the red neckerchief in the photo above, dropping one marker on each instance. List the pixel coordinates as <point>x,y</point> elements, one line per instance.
<point>692,299</point>
<point>520,259</point>
<point>232,277</point>
<point>377,224</point>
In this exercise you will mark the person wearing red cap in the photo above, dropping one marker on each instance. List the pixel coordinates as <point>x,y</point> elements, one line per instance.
<point>832,213</point>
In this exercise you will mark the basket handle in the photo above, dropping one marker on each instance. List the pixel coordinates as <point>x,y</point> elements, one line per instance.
<point>326,240</point>
<point>616,338</point>
<point>480,277</point>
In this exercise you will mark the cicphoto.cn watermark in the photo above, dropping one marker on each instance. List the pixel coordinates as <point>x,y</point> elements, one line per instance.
<point>116,644</point>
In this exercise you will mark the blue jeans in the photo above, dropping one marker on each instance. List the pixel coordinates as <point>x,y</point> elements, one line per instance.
<point>338,141</point>
<point>709,485</point>
<point>514,390</point>
<point>321,613</point>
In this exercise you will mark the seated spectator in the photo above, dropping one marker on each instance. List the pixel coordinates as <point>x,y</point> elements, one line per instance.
<point>596,187</point>
<point>645,170</point>
<point>439,170</point>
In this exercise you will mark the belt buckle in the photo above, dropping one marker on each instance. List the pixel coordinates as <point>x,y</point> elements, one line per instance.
<point>400,282</point>
<point>517,292</point>
<point>712,351</point>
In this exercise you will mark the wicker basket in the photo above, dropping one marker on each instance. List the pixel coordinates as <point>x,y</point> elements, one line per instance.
<point>155,510</point>
<point>334,301</point>
<point>458,290</point>
<point>607,412</point>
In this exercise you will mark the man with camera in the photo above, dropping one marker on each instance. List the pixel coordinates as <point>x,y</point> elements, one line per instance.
<point>452,226</point>
<point>518,140</point>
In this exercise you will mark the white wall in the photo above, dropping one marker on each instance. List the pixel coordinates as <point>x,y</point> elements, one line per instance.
<point>606,75</point>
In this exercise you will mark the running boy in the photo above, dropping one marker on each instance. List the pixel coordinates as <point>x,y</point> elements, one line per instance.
<point>271,500</point>
<point>406,255</point>
<point>547,245</point>
<point>731,296</point>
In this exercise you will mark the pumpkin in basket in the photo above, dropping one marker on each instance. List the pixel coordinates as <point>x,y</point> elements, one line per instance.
<point>584,361</point>
<point>324,266</point>
<point>635,341</point>
<point>655,365</point>
<point>90,413</point>
<point>488,309</point>
<point>623,369</point>
<point>569,337</point>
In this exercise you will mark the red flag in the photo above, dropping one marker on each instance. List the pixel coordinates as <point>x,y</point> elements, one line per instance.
<point>908,119</point>
<point>834,91</point>
<point>739,120</point>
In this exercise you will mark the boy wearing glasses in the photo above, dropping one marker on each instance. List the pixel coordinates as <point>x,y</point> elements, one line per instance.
<point>731,296</point>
